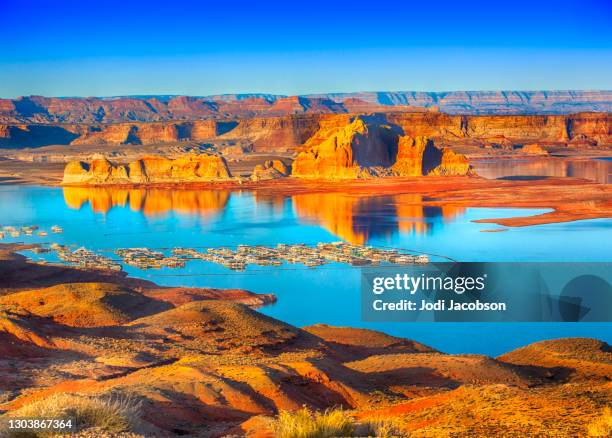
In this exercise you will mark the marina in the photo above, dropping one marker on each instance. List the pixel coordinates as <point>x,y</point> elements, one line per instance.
<point>309,256</point>
<point>238,259</point>
<point>235,259</point>
<point>83,258</point>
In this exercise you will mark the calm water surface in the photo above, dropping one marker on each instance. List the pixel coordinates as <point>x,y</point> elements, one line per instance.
<point>105,219</point>
<point>598,170</point>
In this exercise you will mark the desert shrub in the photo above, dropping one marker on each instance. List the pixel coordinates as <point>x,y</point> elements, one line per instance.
<point>602,426</point>
<point>305,423</point>
<point>383,428</point>
<point>113,413</point>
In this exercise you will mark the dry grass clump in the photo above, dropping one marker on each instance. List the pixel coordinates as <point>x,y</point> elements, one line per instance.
<point>602,426</point>
<point>305,423</point>
<point>112,413</point>
<point>383,428</point>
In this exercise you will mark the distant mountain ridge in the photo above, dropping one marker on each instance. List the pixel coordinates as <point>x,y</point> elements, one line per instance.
<point>44,110</point>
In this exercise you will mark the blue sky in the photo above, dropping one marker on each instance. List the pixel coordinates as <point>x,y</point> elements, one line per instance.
<point>74,48</point>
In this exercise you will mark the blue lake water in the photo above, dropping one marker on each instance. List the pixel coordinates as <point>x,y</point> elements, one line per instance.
<point>105,219</point>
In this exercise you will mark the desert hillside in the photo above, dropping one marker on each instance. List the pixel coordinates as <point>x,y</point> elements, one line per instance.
<point>198,362</point>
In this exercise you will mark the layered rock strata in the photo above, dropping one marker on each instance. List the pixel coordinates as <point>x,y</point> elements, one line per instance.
<point>39,109</point>
<point>148,170</point>
<point>286,133</point>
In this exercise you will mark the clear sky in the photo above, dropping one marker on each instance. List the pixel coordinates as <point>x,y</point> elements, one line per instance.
<point>76,48</point>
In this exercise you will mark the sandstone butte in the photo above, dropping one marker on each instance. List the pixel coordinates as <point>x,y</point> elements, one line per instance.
<point>366,147</point>
<point>148,170</point>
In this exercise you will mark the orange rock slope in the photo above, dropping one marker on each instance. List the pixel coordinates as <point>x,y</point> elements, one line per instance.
<point>366,146</point>
<point>148,170</point>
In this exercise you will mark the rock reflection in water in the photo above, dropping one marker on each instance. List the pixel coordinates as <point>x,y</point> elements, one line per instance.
<point>152,202</point>
<point>357,219</point>
<point>351,217</point>
<point>595,170</point>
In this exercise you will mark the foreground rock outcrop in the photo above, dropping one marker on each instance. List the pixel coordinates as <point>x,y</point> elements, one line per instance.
<point>148,170</point>
<point>366,146</point>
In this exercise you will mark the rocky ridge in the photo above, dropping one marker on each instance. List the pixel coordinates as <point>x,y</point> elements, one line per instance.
<point>286,133</point>
<point>39,109</point>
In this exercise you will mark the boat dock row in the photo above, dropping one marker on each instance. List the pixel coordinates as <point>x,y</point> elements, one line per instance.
<point>84,258</point>
<point>145,258</point>
<point>241,257</point>
<point>322,253</point>
<point>27,230</point>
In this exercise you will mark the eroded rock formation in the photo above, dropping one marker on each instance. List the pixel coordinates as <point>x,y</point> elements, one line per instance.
<point>270,169</point>
<point>350,151</point>
<point>148,170</point>
<point>368,147</point>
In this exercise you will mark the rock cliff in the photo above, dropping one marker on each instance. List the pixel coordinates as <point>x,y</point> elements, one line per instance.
<point>369,147</point>
<point>349,151</point>
<point>149,133</point>
<point>147,170</point>
<point>286,133</point>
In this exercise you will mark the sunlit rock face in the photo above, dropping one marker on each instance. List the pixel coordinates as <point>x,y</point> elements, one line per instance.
<point>347,152</point>
<point>190,168</point>
<point>368,147</point>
